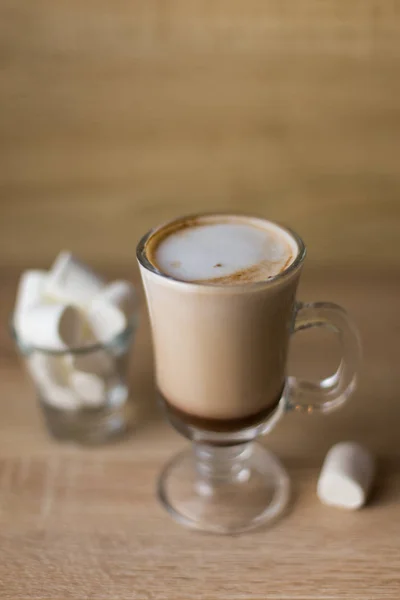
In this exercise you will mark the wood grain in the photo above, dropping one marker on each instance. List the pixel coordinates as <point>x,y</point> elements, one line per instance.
<point>118,115</point>
<point>84,523</point>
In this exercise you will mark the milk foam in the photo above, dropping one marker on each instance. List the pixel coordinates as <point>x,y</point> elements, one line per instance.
<point>225,251</point>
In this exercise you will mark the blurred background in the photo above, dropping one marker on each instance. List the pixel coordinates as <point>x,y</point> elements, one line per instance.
<point>118,115</point>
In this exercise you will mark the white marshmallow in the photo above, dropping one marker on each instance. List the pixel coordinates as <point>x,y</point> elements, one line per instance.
<point>90,388</point>
<point>50,375</point>
<point>30,290</point>
<point>71,281</point>
<point>105,319</point>
<point>51,326</point>
<point>346,476</point>
<point>122,295</point>
<point>118,392</point>
<point>98,362</point>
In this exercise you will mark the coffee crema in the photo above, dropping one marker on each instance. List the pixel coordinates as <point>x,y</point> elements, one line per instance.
<point>221,249</point>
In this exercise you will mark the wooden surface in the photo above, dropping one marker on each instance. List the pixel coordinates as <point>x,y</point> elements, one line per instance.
<point>116,115</point>
<point>84,523</point>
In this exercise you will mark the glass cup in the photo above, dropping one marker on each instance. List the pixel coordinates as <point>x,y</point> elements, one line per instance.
<point>83,392</point>
<point>220,361</point>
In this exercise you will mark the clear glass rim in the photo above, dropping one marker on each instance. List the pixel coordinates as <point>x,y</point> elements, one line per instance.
<point>145,263</point>
<point>86,349</point>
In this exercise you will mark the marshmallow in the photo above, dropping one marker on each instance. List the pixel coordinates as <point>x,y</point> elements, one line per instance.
<point>69,280</point>
<point>97,362</point>
<point>29,294</point>
<point>90,388</point>
<point>51,326</point>
<point>346,476</point>
<point>122,295</point>
<point>118,392</point>
<point>50,375</point>
<point>106,320</point>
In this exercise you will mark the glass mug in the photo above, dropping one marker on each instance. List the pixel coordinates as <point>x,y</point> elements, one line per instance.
<point>220,360</point>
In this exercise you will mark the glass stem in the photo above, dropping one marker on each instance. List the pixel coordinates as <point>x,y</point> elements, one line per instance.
<point>222,464</point>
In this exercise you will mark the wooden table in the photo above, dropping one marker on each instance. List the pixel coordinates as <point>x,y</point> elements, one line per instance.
<point>85,523</point>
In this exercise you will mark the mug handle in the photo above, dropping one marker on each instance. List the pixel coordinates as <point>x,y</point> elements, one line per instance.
<point>330,393</point>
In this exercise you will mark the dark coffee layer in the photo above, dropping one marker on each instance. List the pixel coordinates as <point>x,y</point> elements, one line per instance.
<point>221,425</point>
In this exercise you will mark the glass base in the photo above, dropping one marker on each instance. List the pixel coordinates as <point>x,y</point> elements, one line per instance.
<point>225,490</point>
<point>90,426</point>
